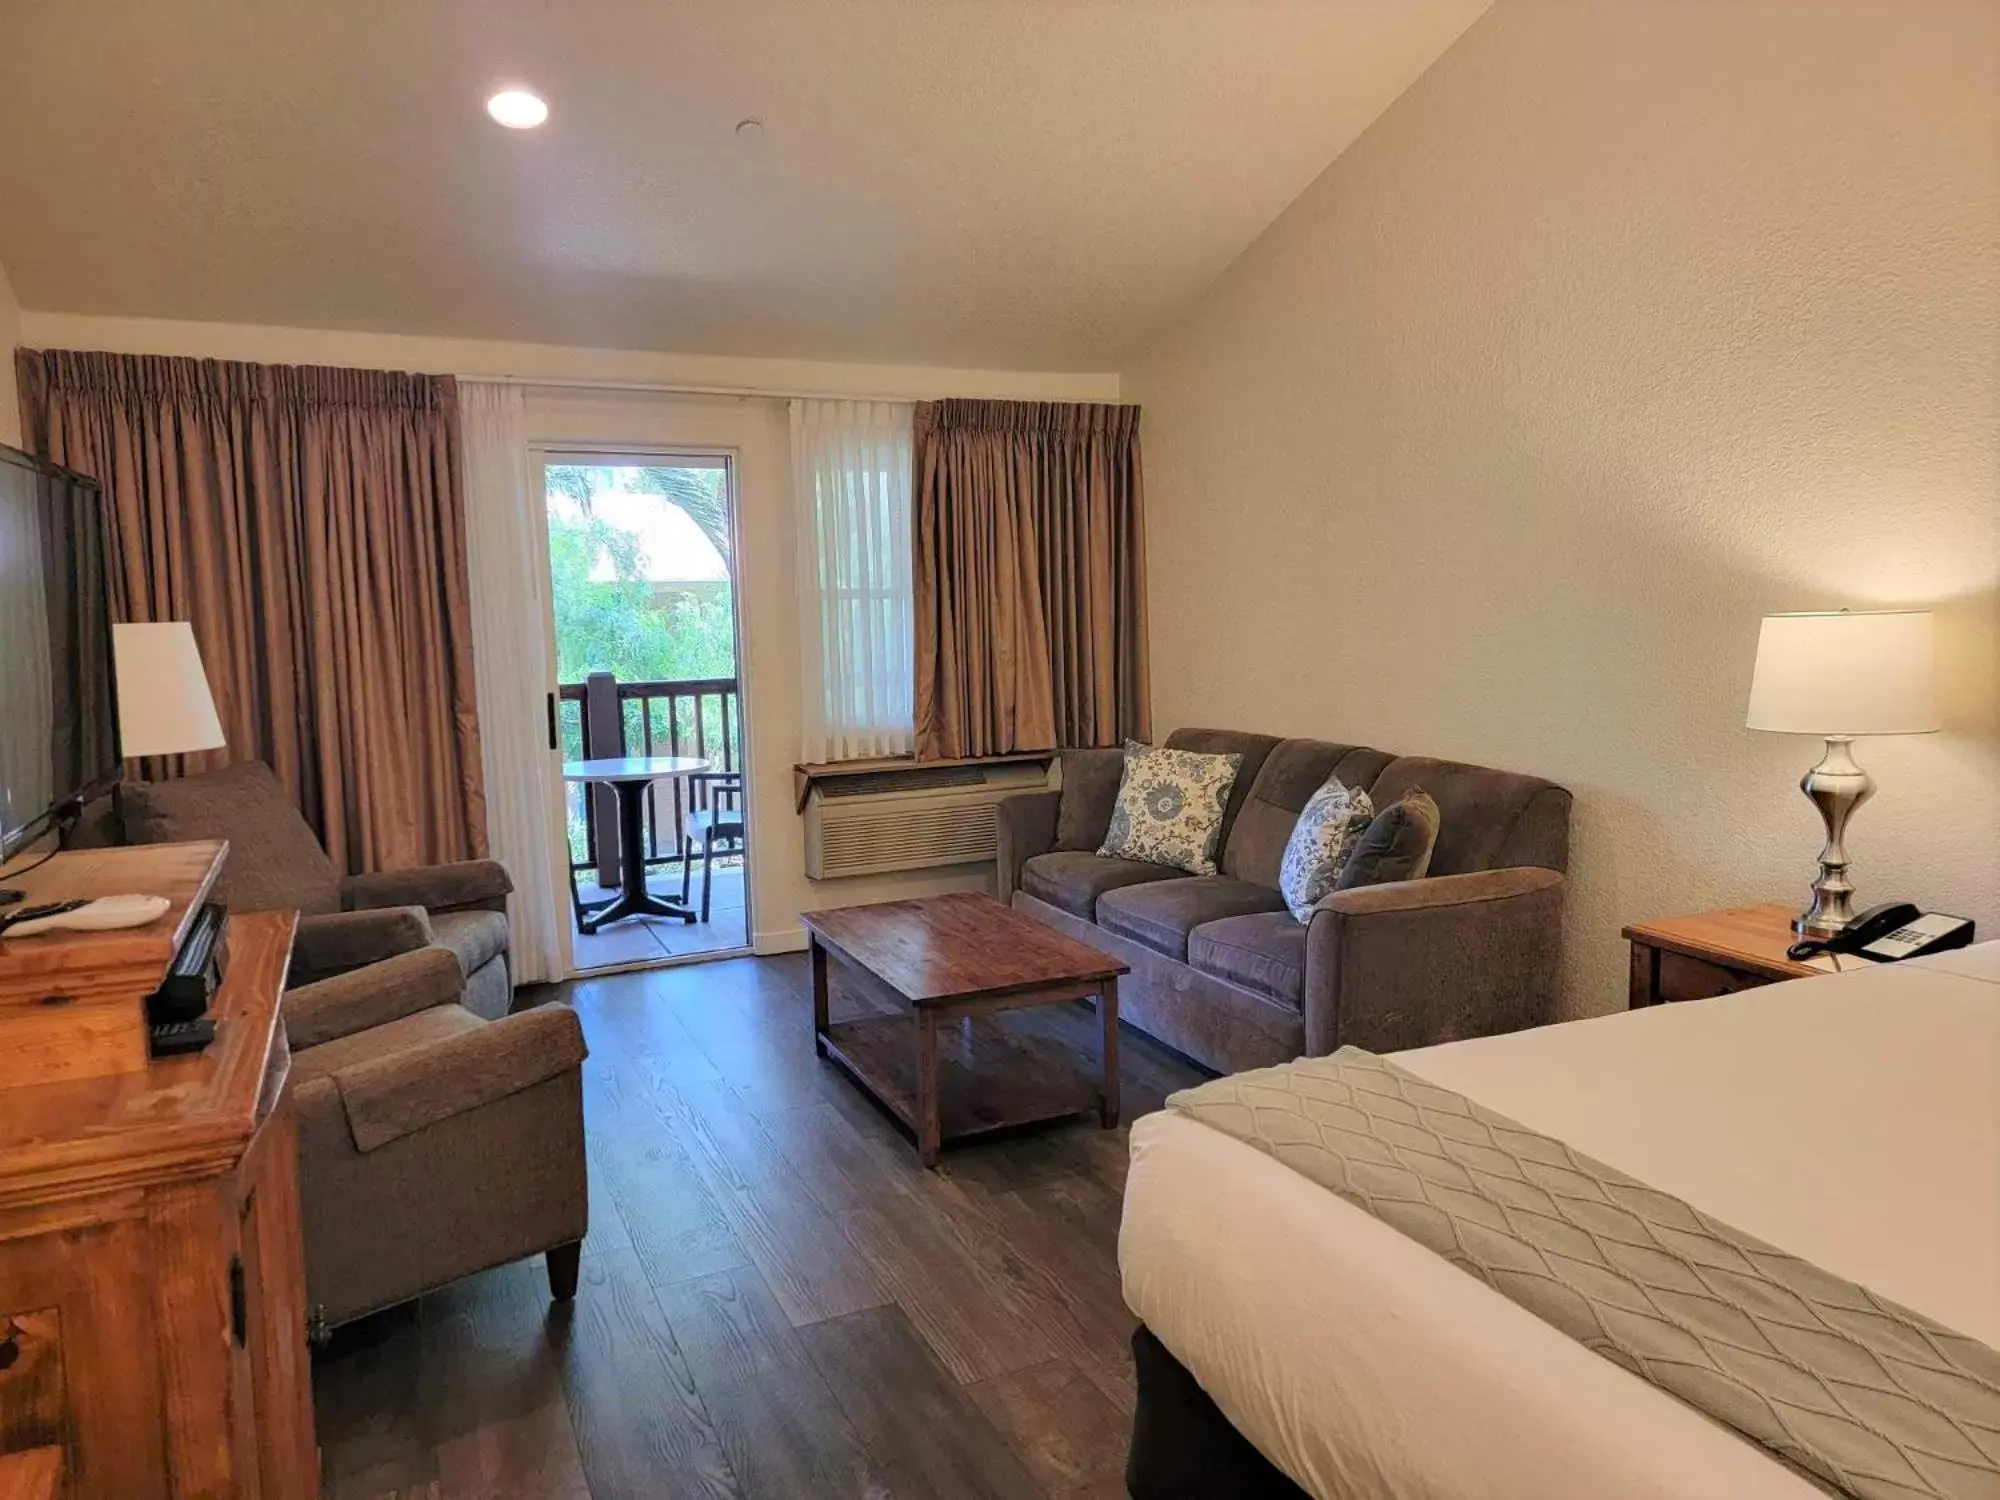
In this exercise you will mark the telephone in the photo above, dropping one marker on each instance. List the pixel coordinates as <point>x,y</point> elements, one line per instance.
<point>1893,930</point>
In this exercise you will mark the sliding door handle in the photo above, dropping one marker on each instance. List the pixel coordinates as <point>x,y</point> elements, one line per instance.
<point>553,743</point>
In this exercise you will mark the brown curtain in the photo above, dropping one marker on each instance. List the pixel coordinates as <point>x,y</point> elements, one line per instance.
<point>1030,577</point>
<point>309,522</point>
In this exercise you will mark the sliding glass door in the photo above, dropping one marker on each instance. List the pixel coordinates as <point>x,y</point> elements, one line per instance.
<point>648,705</point>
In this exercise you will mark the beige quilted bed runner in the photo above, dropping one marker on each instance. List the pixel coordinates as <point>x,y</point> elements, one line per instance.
<point>1869,1397</point>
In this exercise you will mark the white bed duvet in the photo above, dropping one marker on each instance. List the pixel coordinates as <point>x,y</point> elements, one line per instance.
<point>1852,1119</point>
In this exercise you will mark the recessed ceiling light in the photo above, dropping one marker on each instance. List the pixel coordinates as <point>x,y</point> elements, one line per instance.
<point>750,130</point>
<point>518,109</point>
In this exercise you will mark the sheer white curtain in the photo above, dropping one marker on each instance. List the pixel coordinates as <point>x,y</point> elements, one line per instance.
<point>506,548</point>
<point>851,475</point>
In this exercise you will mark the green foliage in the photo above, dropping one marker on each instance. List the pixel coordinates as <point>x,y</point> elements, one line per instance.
<point>635,629</point>
<point>628,626</point>
<point>696,491</point>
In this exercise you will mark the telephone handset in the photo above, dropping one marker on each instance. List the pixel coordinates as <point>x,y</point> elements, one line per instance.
<point>1891,931</point>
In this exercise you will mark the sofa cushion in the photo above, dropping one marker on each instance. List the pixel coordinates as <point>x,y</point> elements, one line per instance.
<point>1293,771</point>
<point>1169,807</point>
<point>489,991</point>
<point>475,938</point>
<point>274,861</point>
<point>1323,840</point>
<point>1089,791</point>
<point>1161,915</point>
<point>1252,747</point>
<point>1396,845</point>
<point>1265,952</point>
<point>1219,1024</point>
<point>1487,819</point>
<point>1073,879</point>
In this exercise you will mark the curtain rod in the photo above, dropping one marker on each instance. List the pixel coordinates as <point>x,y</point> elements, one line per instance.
<point>677,388</point>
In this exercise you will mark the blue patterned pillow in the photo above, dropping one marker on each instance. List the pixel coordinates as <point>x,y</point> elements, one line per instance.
<point>1169,808</point>
<point>1323,840</point>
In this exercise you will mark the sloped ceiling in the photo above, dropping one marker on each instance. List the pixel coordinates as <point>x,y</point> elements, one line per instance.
<point>1006,183</point>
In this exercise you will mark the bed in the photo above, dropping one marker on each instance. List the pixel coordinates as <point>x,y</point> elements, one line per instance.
<point>1852,1119</point>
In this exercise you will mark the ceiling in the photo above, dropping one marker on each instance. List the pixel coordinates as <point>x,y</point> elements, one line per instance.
<point>1014,184</point>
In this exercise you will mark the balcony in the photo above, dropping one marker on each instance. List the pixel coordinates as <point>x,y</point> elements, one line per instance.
<point>602,718</point>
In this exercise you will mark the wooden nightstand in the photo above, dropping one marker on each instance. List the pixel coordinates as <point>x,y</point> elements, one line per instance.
<point>1713,953</point>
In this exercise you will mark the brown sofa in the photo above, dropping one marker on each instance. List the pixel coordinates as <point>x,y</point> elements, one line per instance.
<point>1222,972</point>
<point>276,862</point>
<point>432,1143</point>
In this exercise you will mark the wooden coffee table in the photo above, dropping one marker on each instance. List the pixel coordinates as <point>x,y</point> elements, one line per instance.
<point>962,958</point>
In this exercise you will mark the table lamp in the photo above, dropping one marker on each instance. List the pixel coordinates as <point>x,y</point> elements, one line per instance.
<point>1839,674</point>
<point>164,706</point>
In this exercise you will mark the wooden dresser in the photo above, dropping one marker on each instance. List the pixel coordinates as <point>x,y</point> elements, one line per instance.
<point>152,1298</point>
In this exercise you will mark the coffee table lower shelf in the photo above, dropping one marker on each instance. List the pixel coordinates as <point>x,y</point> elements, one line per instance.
<point>991,1077</point>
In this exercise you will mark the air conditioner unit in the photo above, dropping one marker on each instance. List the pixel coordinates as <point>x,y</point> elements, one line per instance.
<point>912,819</point>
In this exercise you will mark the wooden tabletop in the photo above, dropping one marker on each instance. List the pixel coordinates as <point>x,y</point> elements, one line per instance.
<point>633,768</point>
<point>1741,937</point>
<point>956,947</point>
<point>177,1111</point>
<point>180,872</point>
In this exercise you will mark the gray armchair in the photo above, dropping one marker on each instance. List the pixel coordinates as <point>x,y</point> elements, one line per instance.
<point>346,922</point>
<point>432,1144</point>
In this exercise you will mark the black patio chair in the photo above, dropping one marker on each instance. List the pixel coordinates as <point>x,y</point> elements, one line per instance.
<point>715,817</point>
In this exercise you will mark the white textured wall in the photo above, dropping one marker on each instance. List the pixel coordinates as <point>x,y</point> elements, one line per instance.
<point>10,335</point>
<point>1628,324</point>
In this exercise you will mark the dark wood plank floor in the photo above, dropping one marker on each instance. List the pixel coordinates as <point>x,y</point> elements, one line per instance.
<point>776,1300</point>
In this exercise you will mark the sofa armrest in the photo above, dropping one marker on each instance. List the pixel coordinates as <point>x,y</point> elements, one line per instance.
<point>374,996</point>
<point>387,1098</point>
<point>337,942</point>
<point>1415,962</point>
<point>1024,827</point>
<point>482,883</point>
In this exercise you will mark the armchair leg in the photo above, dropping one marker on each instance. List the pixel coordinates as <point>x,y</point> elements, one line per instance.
<point>707,872</point>
<point>564,1263</point>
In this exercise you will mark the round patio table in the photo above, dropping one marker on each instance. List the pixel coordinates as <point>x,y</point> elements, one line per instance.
<point>628,778</point>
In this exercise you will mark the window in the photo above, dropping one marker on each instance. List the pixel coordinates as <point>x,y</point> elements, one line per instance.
<point>851,468</point>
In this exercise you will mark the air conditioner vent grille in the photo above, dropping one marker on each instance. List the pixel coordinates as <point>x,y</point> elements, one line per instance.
<point>917,779</point>
<point>944,835</point>
<point>910,820</point>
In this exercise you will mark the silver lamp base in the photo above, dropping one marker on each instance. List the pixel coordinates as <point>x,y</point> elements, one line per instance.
<point>1836,786</point>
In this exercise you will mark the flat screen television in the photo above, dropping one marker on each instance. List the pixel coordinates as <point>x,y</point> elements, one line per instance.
<point>58,706</point>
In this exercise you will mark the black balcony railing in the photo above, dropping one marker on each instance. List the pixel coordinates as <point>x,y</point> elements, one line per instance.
<point>603,718</point>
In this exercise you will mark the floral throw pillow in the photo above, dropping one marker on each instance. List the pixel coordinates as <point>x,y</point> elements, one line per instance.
<point>1323,840</point>
<point>1169,807</point>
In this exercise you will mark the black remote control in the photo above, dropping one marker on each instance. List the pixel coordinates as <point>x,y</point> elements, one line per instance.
<point>171,1038</point>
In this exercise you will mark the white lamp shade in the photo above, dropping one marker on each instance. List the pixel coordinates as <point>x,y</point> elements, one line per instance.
<point>1846,673</point>
<point>164,706</point>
